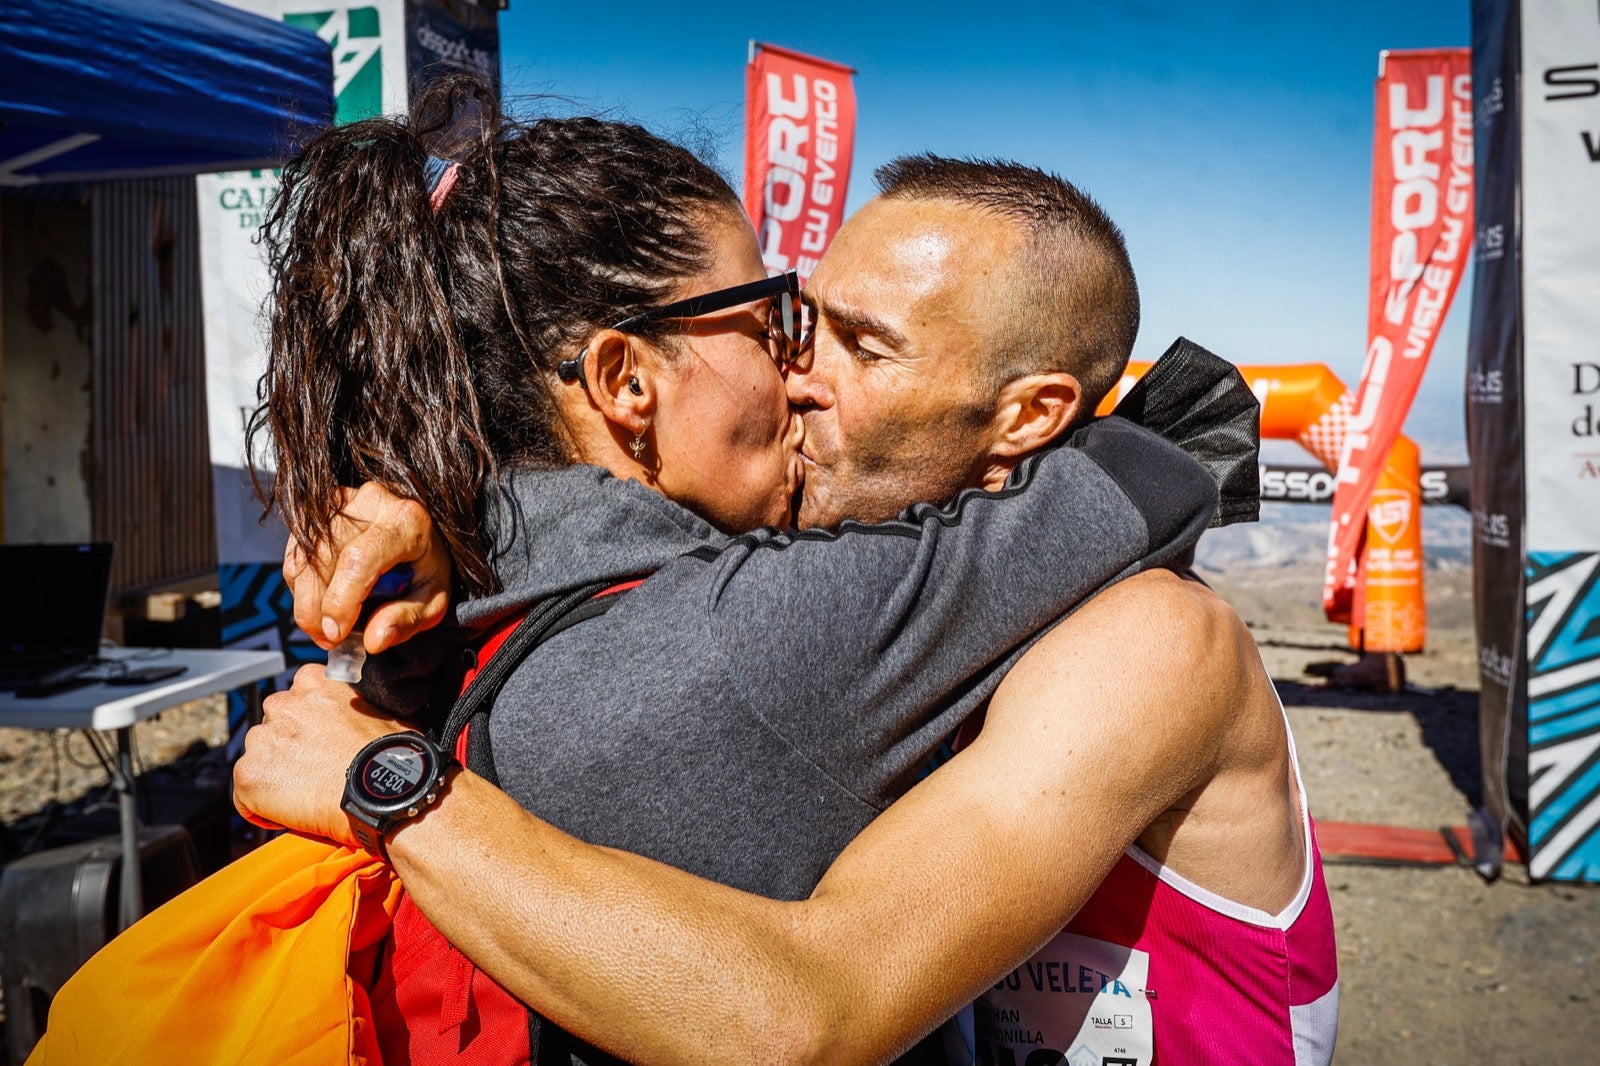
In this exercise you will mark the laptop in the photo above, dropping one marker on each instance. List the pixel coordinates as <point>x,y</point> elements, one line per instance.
<point>52,610</point>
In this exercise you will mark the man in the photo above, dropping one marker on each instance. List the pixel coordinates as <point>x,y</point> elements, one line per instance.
<point>1139,740</point>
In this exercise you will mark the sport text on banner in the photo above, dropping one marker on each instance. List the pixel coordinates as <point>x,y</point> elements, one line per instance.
<point>800,128</point>
<point>1421,231</point>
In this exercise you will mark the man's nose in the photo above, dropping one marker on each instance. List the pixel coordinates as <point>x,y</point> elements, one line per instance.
<point>804,383</point>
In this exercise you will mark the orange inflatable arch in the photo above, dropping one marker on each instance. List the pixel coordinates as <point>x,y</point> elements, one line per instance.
<point>1308,403</point>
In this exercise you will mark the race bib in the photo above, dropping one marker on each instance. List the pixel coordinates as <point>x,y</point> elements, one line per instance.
<point>1078,1002</point>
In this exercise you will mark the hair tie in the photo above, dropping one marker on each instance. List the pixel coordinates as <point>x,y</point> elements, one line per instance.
<point>441,177</point>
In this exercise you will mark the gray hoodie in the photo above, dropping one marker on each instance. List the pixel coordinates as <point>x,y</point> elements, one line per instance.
<point>753,705</point>
<point>746,711</point>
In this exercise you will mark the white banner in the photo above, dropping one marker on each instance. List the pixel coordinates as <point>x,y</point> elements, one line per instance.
<point>369,78</point>
<point>368,42</point>
<point>233,284</point>
<point>1561,272</point>
<point>1560,85</point>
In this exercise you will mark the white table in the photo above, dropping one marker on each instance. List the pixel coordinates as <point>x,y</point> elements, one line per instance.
<point>117,707</point>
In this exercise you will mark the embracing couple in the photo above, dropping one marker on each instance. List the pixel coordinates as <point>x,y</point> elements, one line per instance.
<point>872,712</point>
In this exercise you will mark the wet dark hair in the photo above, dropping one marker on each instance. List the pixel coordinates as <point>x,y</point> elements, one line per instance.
<point>417,348</point>
<point>1074,300</point>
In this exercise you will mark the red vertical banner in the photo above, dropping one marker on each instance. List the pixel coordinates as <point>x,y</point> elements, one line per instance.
<point>1421,234</point>
<point>800,129</point>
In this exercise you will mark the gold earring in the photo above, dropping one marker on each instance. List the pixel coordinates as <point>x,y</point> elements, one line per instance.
<point>636,446</point>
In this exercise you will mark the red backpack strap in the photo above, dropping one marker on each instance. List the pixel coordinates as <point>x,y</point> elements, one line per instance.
<point>541,622</point>
<point>501,633</point>
<point>588,607</point>
<point>434,989</point>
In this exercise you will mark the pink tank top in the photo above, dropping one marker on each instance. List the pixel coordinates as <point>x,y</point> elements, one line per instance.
<point>1156,969</point>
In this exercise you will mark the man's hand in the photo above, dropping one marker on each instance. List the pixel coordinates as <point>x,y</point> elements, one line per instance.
<point>373,533</point>
<point>291,775</point>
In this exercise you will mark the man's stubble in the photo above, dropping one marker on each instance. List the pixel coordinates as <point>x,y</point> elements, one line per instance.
<point>893,467</point>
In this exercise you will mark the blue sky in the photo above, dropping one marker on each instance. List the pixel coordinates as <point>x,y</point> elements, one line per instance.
<point>1231,141</point>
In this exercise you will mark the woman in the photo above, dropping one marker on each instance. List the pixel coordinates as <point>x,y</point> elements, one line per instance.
<point>540,354</point>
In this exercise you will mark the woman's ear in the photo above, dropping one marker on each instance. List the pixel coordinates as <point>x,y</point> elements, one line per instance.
<point>620,387</point>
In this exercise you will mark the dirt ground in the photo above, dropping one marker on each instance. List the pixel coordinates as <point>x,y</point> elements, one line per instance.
<point>1436,965</point>
<point>36,766</point>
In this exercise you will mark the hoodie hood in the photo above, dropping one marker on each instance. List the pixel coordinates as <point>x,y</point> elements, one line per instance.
<point>555,530</point>
<point>1201,403</point>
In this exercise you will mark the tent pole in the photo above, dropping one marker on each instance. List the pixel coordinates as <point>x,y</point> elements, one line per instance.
<point>8,169</point>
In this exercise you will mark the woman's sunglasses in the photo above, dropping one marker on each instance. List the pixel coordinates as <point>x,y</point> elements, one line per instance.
<point>788,321</point>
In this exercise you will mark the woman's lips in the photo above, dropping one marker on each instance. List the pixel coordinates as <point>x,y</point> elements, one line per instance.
<point>797,486</point>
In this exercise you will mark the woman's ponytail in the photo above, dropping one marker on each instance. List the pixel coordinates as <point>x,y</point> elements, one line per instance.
<point>417,347</point>
<point>367,377</point>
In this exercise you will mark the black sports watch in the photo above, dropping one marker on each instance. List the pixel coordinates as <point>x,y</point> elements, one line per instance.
<point>392,779</point>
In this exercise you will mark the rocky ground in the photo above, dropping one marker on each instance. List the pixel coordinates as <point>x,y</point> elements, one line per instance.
<point>37,767</point>
<point>1436,965</point>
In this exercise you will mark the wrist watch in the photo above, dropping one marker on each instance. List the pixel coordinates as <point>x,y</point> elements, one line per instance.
<point>392,779</point>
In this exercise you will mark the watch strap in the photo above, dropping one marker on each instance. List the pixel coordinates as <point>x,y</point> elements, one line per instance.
<point>367,835</point>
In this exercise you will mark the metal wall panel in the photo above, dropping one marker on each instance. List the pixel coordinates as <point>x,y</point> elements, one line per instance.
<point>46,323</point>
<point>150,483</point>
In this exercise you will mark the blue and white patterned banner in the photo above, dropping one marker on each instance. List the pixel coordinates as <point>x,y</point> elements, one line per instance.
<point>258,614</point>
<point>1564,715</point>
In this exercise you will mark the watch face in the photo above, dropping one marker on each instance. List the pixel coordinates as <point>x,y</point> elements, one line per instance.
<point>393,772</point>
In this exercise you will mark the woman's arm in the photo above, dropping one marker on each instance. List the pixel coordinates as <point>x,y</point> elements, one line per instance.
<point>829,635</point>
<point>952,887</point>
<point>865,647</point>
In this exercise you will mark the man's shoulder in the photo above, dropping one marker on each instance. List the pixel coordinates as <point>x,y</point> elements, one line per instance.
<point>1162,611</point>
<point>1164,642</point>
<point>1180,595</point>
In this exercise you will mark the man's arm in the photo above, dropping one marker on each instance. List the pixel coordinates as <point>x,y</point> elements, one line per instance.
<point>1110,720</point>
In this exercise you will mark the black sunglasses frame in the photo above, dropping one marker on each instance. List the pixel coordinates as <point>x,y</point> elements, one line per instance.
<point>709,303</point>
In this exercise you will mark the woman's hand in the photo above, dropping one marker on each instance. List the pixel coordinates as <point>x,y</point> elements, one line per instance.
<point>374,532</point>
<point>291,775</point>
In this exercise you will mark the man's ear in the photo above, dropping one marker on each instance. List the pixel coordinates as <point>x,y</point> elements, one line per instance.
<point>1031,412</point>
<point>620,388</point>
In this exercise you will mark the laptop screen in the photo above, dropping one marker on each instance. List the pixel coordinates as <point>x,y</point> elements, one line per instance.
<point>53,599</point>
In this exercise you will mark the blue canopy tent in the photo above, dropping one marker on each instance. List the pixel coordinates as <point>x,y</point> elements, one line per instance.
<point>95,89</point>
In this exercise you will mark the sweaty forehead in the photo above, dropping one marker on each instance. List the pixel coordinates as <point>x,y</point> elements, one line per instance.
<point>915,263</point>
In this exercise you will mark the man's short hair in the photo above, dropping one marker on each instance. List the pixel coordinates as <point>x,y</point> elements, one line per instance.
<point>1073,301</point>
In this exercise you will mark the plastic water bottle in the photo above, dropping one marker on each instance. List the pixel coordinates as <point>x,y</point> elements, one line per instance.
<point>346,659</point>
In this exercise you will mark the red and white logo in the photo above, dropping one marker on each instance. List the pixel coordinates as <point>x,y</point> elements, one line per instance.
<point>1389,514</point>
